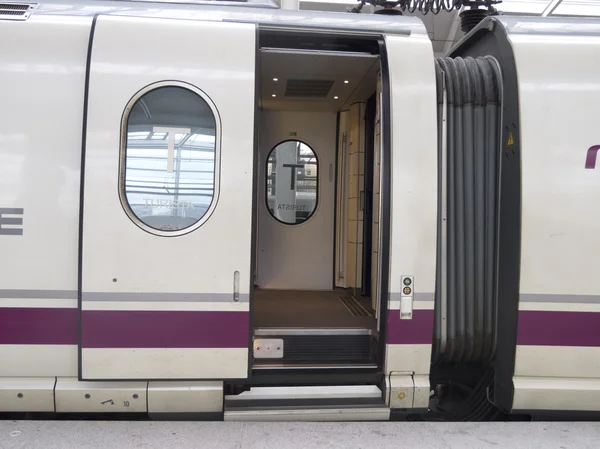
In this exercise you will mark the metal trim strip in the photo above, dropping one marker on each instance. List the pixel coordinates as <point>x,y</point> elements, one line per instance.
<point>38,294</point>
<point>163,297</point>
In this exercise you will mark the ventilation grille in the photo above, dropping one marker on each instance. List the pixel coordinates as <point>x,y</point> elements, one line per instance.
<point>16,11</point>
<point>315,350</point>
<point>308,88</point>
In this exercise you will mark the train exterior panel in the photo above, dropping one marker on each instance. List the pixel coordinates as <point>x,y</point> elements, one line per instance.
<point>557,340</point>
<point>135,222</point>
<point>39,292</point>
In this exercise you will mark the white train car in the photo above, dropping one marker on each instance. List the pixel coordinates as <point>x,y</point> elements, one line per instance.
<point>443,268</point>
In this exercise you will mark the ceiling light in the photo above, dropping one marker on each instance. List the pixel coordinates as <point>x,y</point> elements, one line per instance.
<point>275,79</point>
<point>273,95</point>
<point>335,98</point>
<point>346,81</point>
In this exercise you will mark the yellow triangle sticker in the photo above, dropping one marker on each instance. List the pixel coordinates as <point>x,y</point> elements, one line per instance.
<point>511,141</point>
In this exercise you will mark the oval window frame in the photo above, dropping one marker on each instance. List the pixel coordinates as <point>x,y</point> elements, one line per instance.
<point>123,158</point>
<point>304,142</point>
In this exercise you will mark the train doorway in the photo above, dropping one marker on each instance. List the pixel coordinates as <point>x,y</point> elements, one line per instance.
<point>315,303</point>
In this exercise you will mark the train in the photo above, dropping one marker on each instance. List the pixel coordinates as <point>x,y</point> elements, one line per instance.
<point>443,264</point>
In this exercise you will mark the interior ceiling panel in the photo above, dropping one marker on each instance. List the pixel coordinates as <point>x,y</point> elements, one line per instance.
<point>293,80</point>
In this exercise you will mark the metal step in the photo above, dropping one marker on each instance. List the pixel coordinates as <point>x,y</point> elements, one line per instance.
<point>322,331</point>
<point>316,415</point>
<point>315,395</point>
<point>308,403</point>
<point>315,348</point>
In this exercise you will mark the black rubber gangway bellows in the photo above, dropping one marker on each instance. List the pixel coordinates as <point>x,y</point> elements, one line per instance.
<point>469,95</point>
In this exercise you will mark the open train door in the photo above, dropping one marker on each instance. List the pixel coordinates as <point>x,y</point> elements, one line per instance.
<point>166,209</point>
<point>410,167</point>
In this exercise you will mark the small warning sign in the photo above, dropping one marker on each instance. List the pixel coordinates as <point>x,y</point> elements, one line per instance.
<point>511,141</point>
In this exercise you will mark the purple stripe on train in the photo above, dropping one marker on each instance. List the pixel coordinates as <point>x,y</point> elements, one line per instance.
<point>158,329</point>
<point>124,329</point>
<point>164,329</point>
<point>38,326</point>
<point>554,328</point>
<point>590,159</point>
<point>418,331</point>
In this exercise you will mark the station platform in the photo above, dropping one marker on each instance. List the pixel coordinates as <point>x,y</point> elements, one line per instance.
<point>223,435</point>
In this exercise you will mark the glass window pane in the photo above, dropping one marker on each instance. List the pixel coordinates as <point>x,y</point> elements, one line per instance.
<point>588,8</point>
<point>292,182</point>
<point>522,6</point>
<point>169,170</point>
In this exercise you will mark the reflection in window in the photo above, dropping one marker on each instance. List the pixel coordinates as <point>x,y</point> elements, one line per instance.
<point>169,163</point>
<point>292,182</point>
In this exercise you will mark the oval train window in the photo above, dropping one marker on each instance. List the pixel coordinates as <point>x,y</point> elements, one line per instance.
<point>168,164</point>
<point>292,182</point>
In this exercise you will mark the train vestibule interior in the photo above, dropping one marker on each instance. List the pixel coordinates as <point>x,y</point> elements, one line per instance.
<point>315,298</point>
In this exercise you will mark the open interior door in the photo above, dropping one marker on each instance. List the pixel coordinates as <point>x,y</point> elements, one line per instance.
<point>166,219</point>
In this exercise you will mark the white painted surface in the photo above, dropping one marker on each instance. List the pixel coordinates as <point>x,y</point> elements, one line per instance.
<point>203,261</point>
<point>165,363</point>
<point>100,397</point>
<point>422,391</point>
<point>182,397</point>
<point>167,305</point>
<point>401,390</point>
<point>561,306</point>
<point>418,304</point>
<point>113,246</point>
<point>41,98</point>
<point>298,257</point>
<point>42,78</point>
<point>408,358</point>
<point>543,393</point>
<point>38,360</point>
<point>35,303</point>
<point>558,361</point>
<point>23,394</point>
<point>413,183</point>
<point>559,107</point>
<point>414,162</point>
<point>560,243</point>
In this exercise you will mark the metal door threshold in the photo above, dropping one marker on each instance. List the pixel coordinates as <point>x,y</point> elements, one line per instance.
<point>322,331</point>
<point>291,366</point>
<point>307,403</point>
<point>330,392</point>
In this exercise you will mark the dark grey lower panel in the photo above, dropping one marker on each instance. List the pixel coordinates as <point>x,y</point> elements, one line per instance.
<point>325,350</point>
<point>206,416</point>
<point>308,403</point>
<point>290,377</point>
<point>558,415</point>
<point>406,414</point>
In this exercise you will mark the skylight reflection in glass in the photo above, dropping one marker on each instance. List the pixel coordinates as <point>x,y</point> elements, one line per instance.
<point>170,159</point>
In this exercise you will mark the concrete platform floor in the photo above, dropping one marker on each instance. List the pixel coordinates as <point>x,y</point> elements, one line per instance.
<point>183,435</point>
